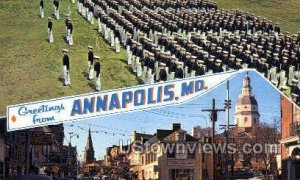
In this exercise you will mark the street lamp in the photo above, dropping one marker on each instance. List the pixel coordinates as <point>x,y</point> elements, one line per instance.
<point>71,134</point>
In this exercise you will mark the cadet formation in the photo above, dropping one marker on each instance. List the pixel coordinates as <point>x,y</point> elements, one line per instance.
<point>93,72</point>
<point>171,39</point>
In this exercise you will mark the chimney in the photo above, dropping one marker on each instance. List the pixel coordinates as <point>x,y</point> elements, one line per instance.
<point>176,126</point>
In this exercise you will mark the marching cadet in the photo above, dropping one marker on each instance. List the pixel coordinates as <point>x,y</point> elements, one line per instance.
<point>218,66</point>
<point>163,75</point>
<point>285,65</point>
<point>91,13</point>
<point>256,63</point>
<point>200,68</point>
<point>56,10</point>
<point>117,42</point>
<point>97,68</point>
<point>179,71</point>
<point>294,60</point>
<point>151,63</point>
<point>172,65</point>
<point>263,67</point>
<point>277,28</point>
<point>80,4</point>
<point>269,58</point>
<point>67,24</point>
<point>66,67</point>
<point>70,31</point>
<point>238,64</point>
<point>50,34</point>
<point>231,62</point>
<point>42,8</point>
<point>191,64</point>
<point>90,63</point>
<point>276,62</point>
<point>151,73</point>
<point>128,46</point>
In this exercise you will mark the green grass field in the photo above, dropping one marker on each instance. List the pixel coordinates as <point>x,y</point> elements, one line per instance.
<point>286,12</point>
<point>31,68</point>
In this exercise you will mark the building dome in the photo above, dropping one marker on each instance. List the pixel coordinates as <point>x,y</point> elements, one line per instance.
<point>246,100</point>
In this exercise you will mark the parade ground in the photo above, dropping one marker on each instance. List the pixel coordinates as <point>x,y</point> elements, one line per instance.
<point>31,68</point>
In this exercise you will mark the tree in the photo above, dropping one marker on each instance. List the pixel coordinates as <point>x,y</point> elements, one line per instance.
<point>267,135</point>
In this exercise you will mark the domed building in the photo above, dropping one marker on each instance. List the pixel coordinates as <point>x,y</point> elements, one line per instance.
<point>246,109</point>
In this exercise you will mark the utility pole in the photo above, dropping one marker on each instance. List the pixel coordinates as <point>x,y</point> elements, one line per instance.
<point>213,117</point>
<point>28,150</point>
<point>227,128</point>
<point>227,106</point>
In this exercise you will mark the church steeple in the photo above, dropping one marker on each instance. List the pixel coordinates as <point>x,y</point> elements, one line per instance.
<point>89,143</point>
<point>89,154</point>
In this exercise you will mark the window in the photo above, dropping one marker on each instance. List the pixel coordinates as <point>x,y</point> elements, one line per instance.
<point>171,152</point>
<point>191,153</point>
<point>147,158</point>
<point>181,136</point>
<point>180,149</point>
<point>246,119</point>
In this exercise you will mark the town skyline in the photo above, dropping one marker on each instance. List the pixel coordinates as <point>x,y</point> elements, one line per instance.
<point>104,128</point>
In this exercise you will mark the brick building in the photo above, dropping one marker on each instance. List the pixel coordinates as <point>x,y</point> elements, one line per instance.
<point>290,133</point>
<point>168,154</point>
<point>37,150</point>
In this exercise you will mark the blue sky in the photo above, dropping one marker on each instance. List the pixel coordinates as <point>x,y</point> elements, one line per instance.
<point>109,130</point>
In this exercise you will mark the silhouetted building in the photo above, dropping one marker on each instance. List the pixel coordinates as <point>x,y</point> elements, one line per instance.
<point>89,153</point>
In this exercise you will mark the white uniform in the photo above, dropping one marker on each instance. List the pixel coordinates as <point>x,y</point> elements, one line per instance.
<point>91,70</point>
<point>139,69</point>
<point>112,38</point>
<point>149,76</point>
<point>97,83</point>
<point>117,42</point>
<point>57,14</point>
<point>99,26</point>
<point>41,12</point>
<point>70,38</point>
<point>50,36</point>
<point>66,73</point>
<point>129,55</point>
<point>92,17</point>
<point>54,7</point>
<point>79,7</point>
